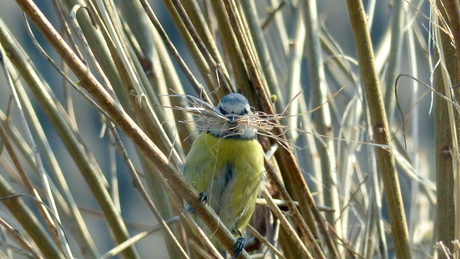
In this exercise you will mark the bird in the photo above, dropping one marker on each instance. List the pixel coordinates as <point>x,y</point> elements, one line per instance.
<point>226,165</point>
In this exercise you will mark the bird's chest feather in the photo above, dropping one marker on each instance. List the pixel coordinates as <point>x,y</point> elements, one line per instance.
<point>224,167</point>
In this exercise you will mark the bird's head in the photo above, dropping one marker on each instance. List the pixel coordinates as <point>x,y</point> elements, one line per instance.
<point>233,107</point>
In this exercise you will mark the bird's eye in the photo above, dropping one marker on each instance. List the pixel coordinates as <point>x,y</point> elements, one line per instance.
<point>224,112</point>
<point>245,111</point>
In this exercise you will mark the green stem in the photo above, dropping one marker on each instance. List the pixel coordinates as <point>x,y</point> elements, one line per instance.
<point>379,123</point>
<point>445,77</point>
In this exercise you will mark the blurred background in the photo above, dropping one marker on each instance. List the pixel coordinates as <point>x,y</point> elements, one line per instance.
<point>352,166</point>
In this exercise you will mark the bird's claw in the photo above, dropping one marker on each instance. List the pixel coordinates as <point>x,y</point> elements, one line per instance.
<point>238,247</point>
<point>189,209</point>
<point>203,197</point>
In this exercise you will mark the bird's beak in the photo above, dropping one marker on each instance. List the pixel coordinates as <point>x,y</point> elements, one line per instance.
<point>232,118</point>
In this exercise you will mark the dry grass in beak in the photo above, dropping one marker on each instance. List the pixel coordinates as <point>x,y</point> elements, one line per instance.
<point>207,116</point>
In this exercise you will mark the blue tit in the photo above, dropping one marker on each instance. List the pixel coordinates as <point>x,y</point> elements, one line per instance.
<point>226,163</point>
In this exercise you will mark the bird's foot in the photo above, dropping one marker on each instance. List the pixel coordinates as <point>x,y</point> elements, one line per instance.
<point>238,247</point>
<point>203,197</point>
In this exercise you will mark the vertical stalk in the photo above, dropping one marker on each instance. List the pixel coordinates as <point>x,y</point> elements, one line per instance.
<point>385,157</point>
<point>260,45</point>
<point>394,57</point>
<point>453,12</point>
<point>445,78</point>
<point>322,118</point>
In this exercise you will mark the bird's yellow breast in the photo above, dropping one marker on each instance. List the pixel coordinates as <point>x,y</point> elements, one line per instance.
<point>209,154</point>
<point>230,172</point>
